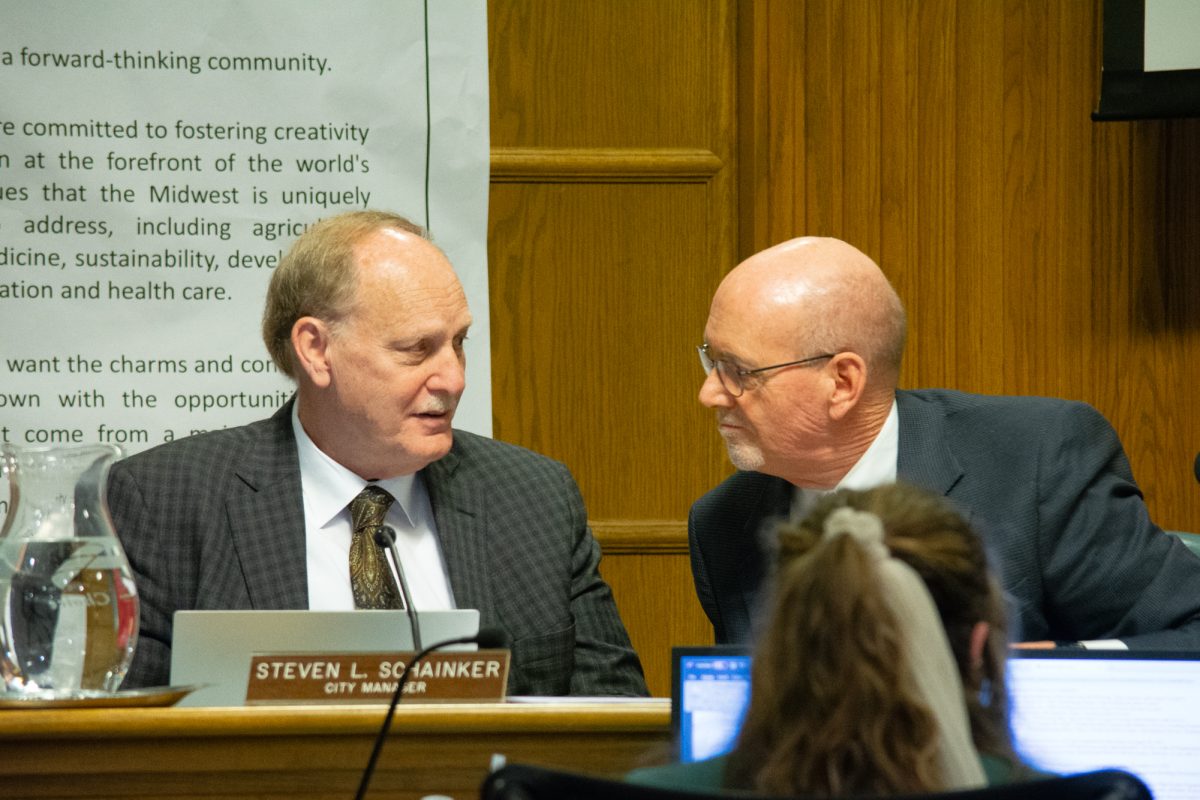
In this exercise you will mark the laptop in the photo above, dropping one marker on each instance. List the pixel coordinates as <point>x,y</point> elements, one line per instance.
<point>212,649</point>
<point>1073,710</point>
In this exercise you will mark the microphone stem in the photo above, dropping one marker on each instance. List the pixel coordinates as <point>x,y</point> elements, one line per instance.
<point>398,571</point>
<point>391,711</point>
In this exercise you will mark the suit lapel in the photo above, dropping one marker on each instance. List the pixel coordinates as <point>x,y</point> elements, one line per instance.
<point>459,509</point>
<point>266,518</point>
<point>772,501</point>
<point>925,458</point>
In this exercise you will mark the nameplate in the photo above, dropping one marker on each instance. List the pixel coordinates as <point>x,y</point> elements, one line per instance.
<point>477,677</point>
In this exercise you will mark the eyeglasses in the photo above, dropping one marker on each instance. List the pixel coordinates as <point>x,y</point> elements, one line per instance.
<point>737,380</point>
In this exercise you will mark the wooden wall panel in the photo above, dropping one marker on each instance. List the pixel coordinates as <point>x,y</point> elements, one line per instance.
<point>1038,252</point>
<point>979,144</point>
<point>613,217</point>
<point>601,303</point>
<point>648,568</point>
<point>898,236</point>
<point>621,73</point>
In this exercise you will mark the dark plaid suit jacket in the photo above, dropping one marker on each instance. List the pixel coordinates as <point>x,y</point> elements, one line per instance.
<point>1047,484</point>
<point>216,521</point>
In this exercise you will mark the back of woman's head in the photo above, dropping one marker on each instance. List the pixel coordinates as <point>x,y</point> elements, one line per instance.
<point>838,705</point>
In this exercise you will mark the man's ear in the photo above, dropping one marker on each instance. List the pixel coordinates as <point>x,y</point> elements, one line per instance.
<point>310,342</point>
<point>849,374</point>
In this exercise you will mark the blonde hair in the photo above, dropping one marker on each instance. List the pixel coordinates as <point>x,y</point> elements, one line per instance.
<point>833,709</point>
<point>316,277</point>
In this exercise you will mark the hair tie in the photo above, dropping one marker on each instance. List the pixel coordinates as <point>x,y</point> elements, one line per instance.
<point>933,670</point>
<point>863,526</point>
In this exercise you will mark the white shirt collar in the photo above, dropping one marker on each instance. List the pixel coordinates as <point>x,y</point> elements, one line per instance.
<point>875,467</point>
<point>328,487</point>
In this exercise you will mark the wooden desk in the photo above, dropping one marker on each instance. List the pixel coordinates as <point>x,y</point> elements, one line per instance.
<point>293,752</point>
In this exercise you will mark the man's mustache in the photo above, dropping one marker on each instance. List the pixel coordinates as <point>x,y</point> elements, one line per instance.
<point>438,405</point>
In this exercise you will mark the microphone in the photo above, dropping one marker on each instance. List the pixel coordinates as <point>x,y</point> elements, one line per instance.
<point>385,537</point>
<point>487,639</point>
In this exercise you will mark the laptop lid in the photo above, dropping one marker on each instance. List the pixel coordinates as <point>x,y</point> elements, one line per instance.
<point>710,689</point>
<point>1080,710</point>
<point>215,647</point>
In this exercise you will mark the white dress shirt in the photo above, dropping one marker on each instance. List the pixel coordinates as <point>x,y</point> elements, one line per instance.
<point>328,488</point>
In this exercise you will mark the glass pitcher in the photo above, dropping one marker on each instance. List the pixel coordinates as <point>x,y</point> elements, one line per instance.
<point>68,605</point>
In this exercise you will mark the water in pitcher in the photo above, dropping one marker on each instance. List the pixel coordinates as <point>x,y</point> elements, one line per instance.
<point>68,615</point>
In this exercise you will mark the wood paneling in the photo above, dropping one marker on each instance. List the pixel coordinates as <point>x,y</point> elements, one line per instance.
<point>1037,252</point>
<point>647,566</point>
<point>621,73</point>
<point>596,165</point>
<point>612,219</point>
<point>599,297</point>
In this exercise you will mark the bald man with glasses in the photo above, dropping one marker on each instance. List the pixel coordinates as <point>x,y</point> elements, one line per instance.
<point>802,353</point>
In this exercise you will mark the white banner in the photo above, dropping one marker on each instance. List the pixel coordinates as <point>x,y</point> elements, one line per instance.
<point>157,158</point>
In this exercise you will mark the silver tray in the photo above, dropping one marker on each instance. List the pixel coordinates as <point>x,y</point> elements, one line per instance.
<point>151,697</point>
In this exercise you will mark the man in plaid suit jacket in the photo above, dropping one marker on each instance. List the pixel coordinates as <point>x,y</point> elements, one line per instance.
<point>1045,481</point>
<point>367,315</point>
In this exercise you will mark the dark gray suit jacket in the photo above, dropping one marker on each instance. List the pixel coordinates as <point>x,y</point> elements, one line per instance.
<point>1047,484</point>
<point>216,521</point>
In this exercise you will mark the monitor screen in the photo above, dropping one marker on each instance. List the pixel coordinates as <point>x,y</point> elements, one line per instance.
<point>1151,65</point>
<point>1080,710</point>
<point>711,689</point>
<point>1072,710</point>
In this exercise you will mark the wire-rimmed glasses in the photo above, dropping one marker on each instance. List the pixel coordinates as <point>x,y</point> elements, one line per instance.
<point>737,380</point>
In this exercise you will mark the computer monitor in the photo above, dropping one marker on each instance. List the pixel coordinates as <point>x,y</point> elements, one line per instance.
<point>1072,710</point>
<point>1080,710</point>
<point>709,695</point>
